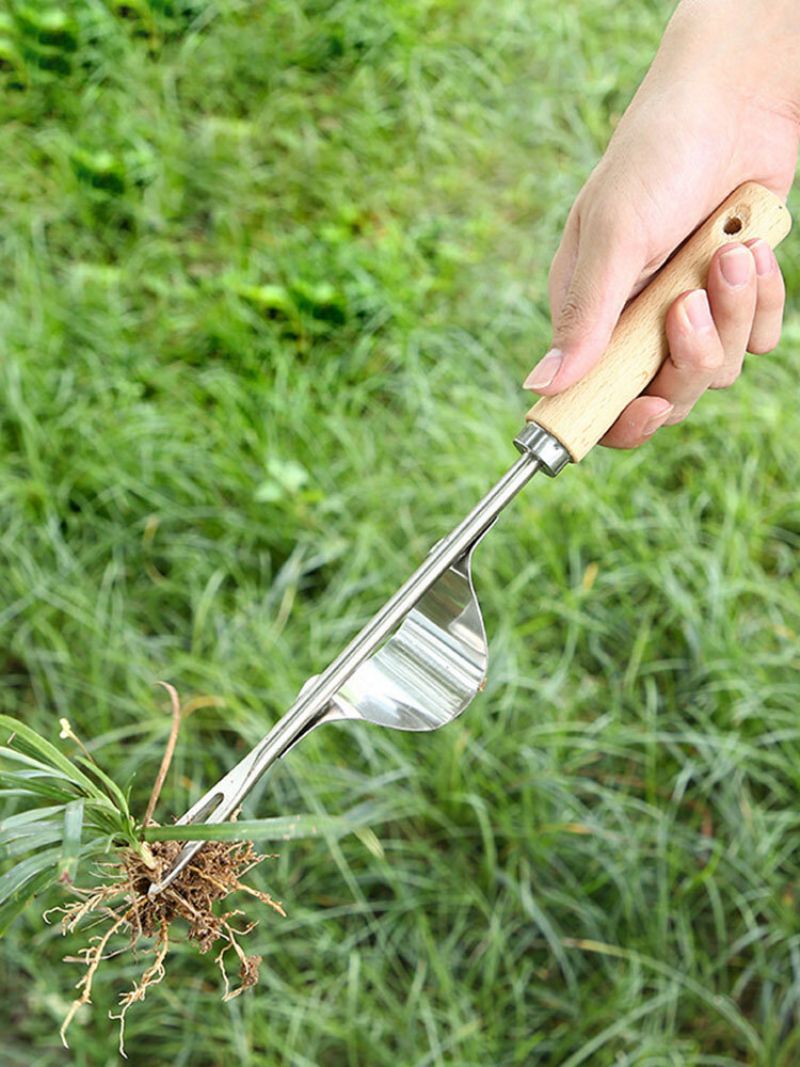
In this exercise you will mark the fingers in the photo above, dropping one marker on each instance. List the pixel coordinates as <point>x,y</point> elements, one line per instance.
<point>708,333</point>
<point>766,331</point>
<point>696,357</point>
<point>563,266</point>
<point>638,422</point>
<point>696,354</point>
<point>597,264</point>
<point>732,294</point>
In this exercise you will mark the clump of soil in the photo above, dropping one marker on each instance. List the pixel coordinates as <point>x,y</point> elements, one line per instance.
<point>122,902</point>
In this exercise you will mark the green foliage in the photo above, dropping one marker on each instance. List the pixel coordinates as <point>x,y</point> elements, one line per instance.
<point>271,275</point>
<point>57,800</point>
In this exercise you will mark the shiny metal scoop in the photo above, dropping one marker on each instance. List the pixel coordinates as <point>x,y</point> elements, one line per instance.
<point>416,665</point>
<point>431,667</point>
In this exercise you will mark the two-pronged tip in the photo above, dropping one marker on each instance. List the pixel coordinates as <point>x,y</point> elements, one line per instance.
<point>185,856</point>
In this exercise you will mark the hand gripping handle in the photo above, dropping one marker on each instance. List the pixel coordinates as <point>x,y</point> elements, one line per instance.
<point>580,416</point>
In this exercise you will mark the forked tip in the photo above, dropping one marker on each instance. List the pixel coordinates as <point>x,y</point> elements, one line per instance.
<point>184,857</point>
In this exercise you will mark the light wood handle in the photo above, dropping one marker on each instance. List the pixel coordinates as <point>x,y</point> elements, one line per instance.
<point>580,415</point>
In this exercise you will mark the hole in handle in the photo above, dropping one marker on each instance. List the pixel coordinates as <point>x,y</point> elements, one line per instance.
<point>732,225</point>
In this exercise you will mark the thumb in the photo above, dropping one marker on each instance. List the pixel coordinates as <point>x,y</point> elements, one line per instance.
<point>608,263</point>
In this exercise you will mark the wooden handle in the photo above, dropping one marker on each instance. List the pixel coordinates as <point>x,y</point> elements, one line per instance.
<point>580,415</point>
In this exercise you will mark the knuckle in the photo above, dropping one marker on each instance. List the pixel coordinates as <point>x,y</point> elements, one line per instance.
<point>678,414</point>
<point>710,360</point>
<point>725,379</point>
<point>703,363</point>
<point>572,313</point>
<point>610,222</point>
<point>599,218</point>
<point>578,314</point>
<point>762,343</point>
<point>709,368</point>
<point>772,297</point>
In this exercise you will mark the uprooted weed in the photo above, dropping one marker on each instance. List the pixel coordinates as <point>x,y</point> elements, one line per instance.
<point>121,900</point>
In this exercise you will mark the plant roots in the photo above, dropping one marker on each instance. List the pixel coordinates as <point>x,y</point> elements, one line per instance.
<point>121,900</point>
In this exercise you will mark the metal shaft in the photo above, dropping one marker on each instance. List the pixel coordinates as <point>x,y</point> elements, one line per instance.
<point>316,698</point>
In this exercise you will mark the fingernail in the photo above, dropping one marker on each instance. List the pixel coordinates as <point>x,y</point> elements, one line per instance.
<point>697,310</point>
<point>544,371</point>
<point>762,253</point>
<point>736,267</point>
<point>655,421</point>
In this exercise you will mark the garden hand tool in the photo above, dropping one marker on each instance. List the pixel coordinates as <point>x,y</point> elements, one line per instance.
<point>420,661</point>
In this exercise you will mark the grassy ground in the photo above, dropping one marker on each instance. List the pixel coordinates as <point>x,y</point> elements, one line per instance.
<point>271,274</point>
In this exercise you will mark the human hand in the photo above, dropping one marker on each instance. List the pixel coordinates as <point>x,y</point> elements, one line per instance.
<point>701,123</point>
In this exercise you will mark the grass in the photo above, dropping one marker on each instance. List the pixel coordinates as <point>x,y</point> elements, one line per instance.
<point>271,275</point>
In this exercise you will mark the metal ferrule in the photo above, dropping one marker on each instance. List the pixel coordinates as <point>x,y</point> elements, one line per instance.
<point>548,450</point>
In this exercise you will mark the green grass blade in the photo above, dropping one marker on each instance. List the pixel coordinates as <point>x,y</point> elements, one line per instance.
<point>283,828</point>
<point>23,818</point>
<point>13,881</point>
<point>11,908</point>
<point>16,756</point>
<point>280,828</point>
<point>50,754</point>
<point>21,844</point>
<point>71,845</point>
<point>115,794</point>
<point>25,786</point>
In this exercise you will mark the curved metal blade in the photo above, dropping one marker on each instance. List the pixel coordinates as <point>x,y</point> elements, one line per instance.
<point>431,667</point>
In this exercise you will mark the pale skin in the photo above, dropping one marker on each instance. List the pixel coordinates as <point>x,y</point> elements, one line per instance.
<point>719,106</point>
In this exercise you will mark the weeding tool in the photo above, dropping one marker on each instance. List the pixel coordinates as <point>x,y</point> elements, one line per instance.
<point>420,661</point>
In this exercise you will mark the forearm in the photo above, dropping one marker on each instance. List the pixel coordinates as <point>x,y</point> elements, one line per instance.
<point>752,46</point>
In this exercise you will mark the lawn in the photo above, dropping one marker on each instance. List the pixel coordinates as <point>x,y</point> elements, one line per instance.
<point>272,274</point>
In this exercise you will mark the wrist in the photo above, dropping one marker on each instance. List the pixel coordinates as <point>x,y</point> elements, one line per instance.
<point>750,47</point>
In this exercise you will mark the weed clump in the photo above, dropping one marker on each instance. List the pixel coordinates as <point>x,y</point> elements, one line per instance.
<point>121,901</point>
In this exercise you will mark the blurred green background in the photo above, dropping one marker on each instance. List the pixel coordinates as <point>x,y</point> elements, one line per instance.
<point>271,276</point>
